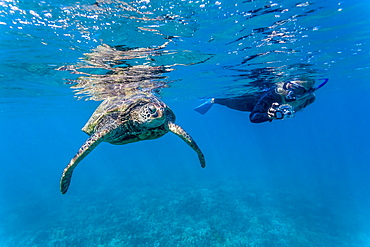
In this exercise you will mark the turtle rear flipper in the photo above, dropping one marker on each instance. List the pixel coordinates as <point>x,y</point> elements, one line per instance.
<point>85,149</point>
<point>180,132</point>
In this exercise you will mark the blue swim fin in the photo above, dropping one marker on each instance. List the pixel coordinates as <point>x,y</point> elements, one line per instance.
<point>203,108</point>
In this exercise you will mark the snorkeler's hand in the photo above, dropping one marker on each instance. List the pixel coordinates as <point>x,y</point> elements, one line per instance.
<point>271,113</point>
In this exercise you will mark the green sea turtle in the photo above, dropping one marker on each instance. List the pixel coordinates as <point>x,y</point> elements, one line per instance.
<point>122,120</point>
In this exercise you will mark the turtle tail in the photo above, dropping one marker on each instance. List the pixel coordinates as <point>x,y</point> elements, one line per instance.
<point>180,132</point>
<point>85,149</point>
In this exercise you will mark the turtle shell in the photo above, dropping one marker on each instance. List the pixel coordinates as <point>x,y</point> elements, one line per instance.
<point>120,104</point>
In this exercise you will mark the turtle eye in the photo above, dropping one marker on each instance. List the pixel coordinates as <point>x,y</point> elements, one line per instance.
<point>153,110</point>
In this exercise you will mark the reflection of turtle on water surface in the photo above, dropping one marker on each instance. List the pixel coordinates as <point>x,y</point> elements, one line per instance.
<point>122,120</point>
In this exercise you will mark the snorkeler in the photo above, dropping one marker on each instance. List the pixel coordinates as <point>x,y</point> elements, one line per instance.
<point>279,102</point>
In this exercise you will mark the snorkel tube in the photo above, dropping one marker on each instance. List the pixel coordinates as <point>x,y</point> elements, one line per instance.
<point>293,95</point>
<point>312,90</point>
<point>321,85</point>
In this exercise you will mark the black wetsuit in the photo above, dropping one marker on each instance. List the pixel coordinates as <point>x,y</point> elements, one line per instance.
<point>257,104</point>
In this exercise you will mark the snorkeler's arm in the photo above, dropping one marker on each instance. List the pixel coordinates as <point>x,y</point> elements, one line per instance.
<point>260,111</point>
<point>259,117</point>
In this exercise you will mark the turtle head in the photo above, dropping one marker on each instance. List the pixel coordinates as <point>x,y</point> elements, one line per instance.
<point>152,114</point>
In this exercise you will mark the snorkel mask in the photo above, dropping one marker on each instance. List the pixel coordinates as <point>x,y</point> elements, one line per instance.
<point>296,91</point>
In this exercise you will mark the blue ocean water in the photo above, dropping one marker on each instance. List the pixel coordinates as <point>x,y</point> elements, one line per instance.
<point>298,182</point>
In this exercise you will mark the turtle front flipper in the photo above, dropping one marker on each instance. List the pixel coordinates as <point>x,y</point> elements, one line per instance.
<point>85,149</point>
<point>177,130</point>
